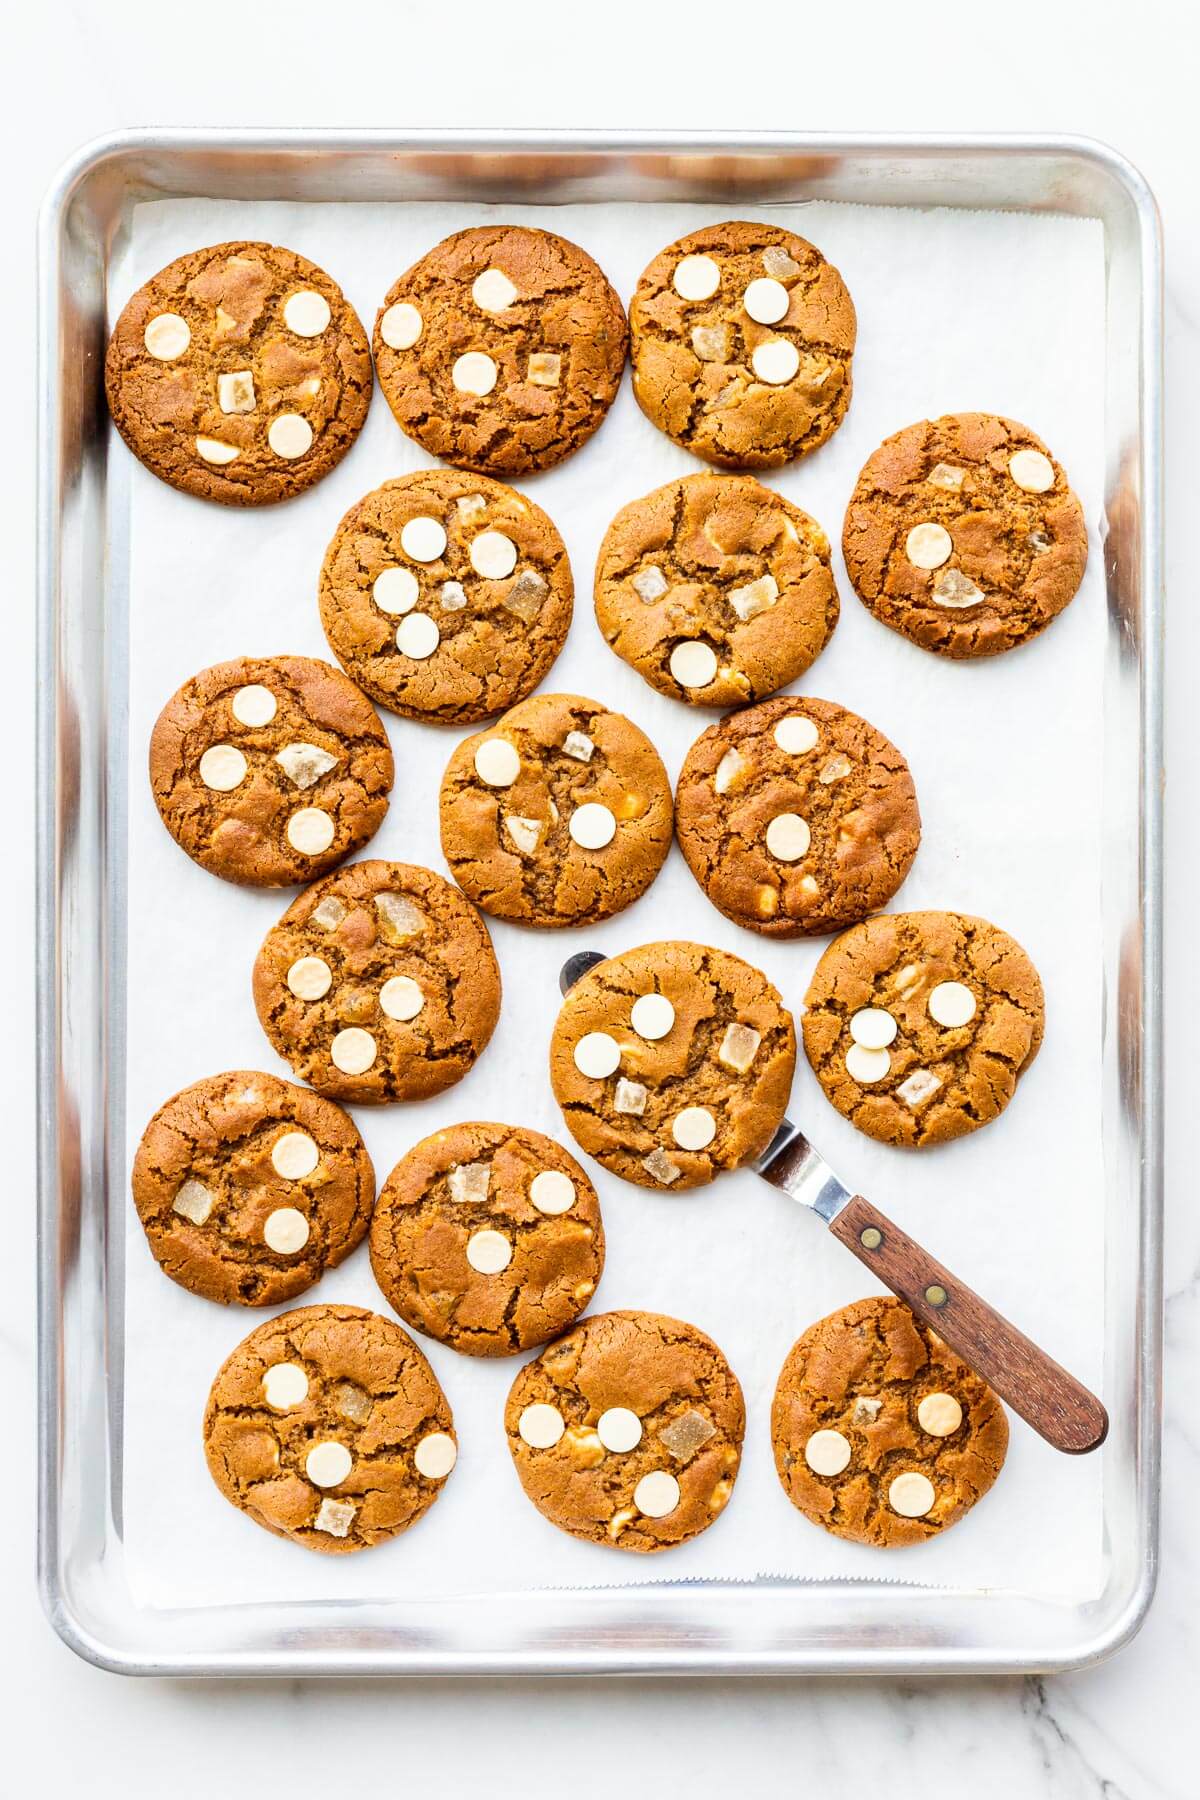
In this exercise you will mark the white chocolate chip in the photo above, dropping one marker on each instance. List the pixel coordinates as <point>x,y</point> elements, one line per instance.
<point>214,451</point>
<point>489,1252</point>
<point>310,977</point>
<point>788,837</point>
<point>945,475</point>
<point>167,337</point>
<point>193,1202</point>
<point>775,361</point>
<point>474,373</point>
<point>552,1192</point>
<point>493,555</point>
<point>796,735</point>
<point>711,342</point>
<point>222,768</point>
<point>1031,471</point>
<point>253,705</point>
<point>352,1051</point>
<point>306,313</point>
<point>597,1055</point>
<point>766,300</point>
<point>294,1155</point>
<point>592,826</point>
<point>650,584</point>
<point>235,393</point>
<point>578,745</point>
<point>777,262</point>
<point>694,1128</point>
<point>400,326</point>
<point>328,1464</point>
<point>1039,543</point>
<point>659,1165</point>
<point>939,1414</point>
<point>436,1455</point>
<point>469,1182</point>
<point>290,435</point>
<point>739,1047</point>
<point>526,834</point>
<point>423,538</point>
<point>335,1517</point>
<point>866,1066</point>
<point>754,598</point>
<point>304,764</point>
<point>453,596</point>
<point>693,664</point>
<point>731,765</point>
<point>285,1385</point>
<point>920,1086</point>
<point>544,369</point>
<point>540,1426</point>
<point>696,278</point>
<point>827,1452</point>
<point>492,291</point>
<point>619,1429</point>
<point>873,1028</point>
<point>497,762</point>
<point>285,1231</point>
<point>417,636</point>
<point>951,1003</point>
<point>310,831</point>
<point>401,997</point>
<point>469,506</point>
<point>911,1495</point>
<point>927,546</point>
<point>652,1016</point>
<point>953,588</point>
<point>630,1097</point>
<point>396,590</point>
<point>329,913</point>
<point>656,1494</point>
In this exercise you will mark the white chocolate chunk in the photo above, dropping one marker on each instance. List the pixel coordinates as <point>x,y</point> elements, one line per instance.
<point>524,598</point>
<point>193,1202</point>
<point>920,1086</point>
<point>352,1051</point>
<point>656,1494</point>
<point>469,506</point>
<point>401,997</point>
<point>329,913</point>
<point>731,765</point>
<point>795,735</point>
<point>834,768</point>
<point>552,1192</point>
<point>775,361</point>
<point>290,435</point>
<point>911,1495</point>
<point>328,1463</point>
<point>304,764</point>
<point>739,1047</point>
<point>630,1097</point>
<point>212,450</point>
<point>310,831</point>
<point>659,1165</point>
<point>650,584</point>
<point>777,262</point>
<point>827,1452</point>
<point>867,1408</point>
<point>619,1429</point>
<point>597,1055</point>
<point>423,538</point>
<point>399,918</point>
<point>253,705</point>
<point>540,1426</point>
<point>235,393</point>
<point>401,326</point>
<point>544,369</point>
<point>285,1231</point>
<point>497,762</point>
<point>474,373</point>
<point>579,745</point>
<point>526,834</point>
<point>294,1155</point>
<point>866,1066</point>
<point>945,475</point>
<point>335,1517</point>
<point>592,826</point>
<point>222,768</point>
<point>754,598</point>
<point>939,1414</point>
<point>696,278</point>
<point>417,636</point>
<point>396,590</point>
<point>306,313</point>
<point>652,1016</point>
<point>766,300</point>
<point>167,336</point>
<point>492,291</point>
<point>285,1385</point>
<point>788,837</point>
<point>453,596</point>
<point>310,977</point>
<point>711,342</point>
<point>693,664</point>
<point>488,1251</point>
<point>435,1455</point>
<point>951,1003</point>
<point>469,1182</point>
<point>873,1028</point>
<point>953,588</point>
<point>927,546</point>
<point>493,555</point>
<point>1031,471</point>
<point>1039,543</point>
<point>694,1128</point>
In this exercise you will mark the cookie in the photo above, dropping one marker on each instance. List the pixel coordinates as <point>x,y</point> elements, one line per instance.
<point>672,1063</point>
<point>628,1431</point>
<point>327,1426</point>
<point>379,983</point>
<point>715,589</point>
<point>269,770</point>
<point>742,340</point>
<point>558,815</point>
<point>880,1433</point>
<point>502,349</point>
<point>239,373</point>
<point>919,1025</point>
<point>249,1188</point>
<point>446,597</point>
<point>963,535</point>
<point>488,1238</point>
<point>796,817</point>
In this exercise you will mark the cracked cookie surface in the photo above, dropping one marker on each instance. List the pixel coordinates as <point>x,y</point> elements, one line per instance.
<point>512,826</point>
<point>239,373</point>
<point>327,1426</point>
<point>672,1063</point>
<point>501,349</point>
<point>963,535</point>
<point>268,770</point>
<point>249,1188</point>
<point>488,1237</point>
<point>881,1434</point>
<point>796,817</point>
<point>919,1025</point>
<point>715,589</point>
<point>446,596</point>
<point>742,337</point>
<point>379,983</point>
<point>628,1431</point>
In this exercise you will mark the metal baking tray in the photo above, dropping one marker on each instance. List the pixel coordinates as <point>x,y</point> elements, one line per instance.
<point>885,1627</point>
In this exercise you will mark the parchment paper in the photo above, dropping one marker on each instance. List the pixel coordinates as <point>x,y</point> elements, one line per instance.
<point>957,311</point>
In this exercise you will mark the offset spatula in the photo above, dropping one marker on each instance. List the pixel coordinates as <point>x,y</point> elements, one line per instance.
<point>1057,1406</point>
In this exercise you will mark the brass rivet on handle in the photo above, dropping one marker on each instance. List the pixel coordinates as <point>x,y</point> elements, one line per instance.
<point>936,1296</point>
<point>871,1238</point>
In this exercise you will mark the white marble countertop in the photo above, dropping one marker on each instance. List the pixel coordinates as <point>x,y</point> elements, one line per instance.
<point>1121,74</point>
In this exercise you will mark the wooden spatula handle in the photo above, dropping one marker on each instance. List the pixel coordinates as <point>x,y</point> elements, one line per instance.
<point>1057,1406</point>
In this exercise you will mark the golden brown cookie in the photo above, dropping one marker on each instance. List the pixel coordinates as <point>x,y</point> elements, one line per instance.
<point>628,1431</point>
<point>327,1426</point>
<point>502,349</point>
<point>715,589</point>
<point>239,373</point>
<point>672,1063</point>
<point>881,1434</point>
<point>742,339</point>
<point>269,770</point>
<point>963,535</point>
<point>445,596</point>
<point>379,983</point>
<point>250,1188</point>
<point>488,1237</point>
<point>919,1025</point>
<point>560,814</point>
<point>796,817</point>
